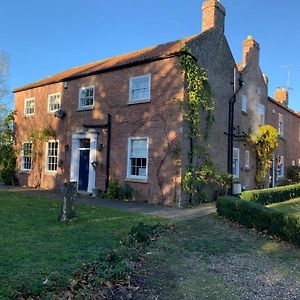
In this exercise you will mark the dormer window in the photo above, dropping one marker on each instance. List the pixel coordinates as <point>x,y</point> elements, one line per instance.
<point>86,97</point>
<point>139,89</point>
<point>29,107</point>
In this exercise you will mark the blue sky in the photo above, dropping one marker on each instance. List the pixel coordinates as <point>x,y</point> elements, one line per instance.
<point>46,37</point>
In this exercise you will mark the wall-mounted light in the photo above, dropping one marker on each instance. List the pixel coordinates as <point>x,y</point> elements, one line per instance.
<point>60,114</point>
<point>100,147</point>
<point>65,85</point>
<point>67,148</point>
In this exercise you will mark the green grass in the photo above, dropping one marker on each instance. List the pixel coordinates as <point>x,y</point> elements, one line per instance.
<point>35,246</point>
<point>208,258</point>
<point>291,207</point>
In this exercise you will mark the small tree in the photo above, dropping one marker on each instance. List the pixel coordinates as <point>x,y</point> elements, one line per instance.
<point>265,141</point>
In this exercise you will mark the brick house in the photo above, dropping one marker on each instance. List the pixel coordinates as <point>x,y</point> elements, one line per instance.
<point>123,117</point>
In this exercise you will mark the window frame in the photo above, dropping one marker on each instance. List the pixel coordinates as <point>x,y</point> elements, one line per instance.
<point>23,156</point>
<point>49,96</point>
<point>47,156</point>
<point>244,103</point>
<point>128,173</point>
<point>282,167</point>
<point>247,159</point>
<point>142,100</point>
<point>25,107</point>
<point>260,105</point>
<point>86,107</point>
<point>237,175</point>
<point>280,124</point>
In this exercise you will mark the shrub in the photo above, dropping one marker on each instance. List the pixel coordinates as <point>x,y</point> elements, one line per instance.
<point>272,195</point>
<point>255,215</point>
<point>113,190</point>
<point>293,174</point>
<point>126,191</point>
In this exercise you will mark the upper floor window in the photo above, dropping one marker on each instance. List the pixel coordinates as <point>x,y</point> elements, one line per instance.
<point>247,159</point>
<point>244,103</point>
<point>26,160</point>
<point>137,158</point>
<point>261,114</point>
<point>53,102</point>
<point>236,163</point>
<point>280,124</point>
<point>139,88</point>
<point>86,97</point>
<point>280,166</point>
<point>52,156</point>
<point>29,107</point>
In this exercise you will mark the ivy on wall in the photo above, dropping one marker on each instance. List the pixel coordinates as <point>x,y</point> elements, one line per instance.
<point>201,172</point>
<point>265,141</point>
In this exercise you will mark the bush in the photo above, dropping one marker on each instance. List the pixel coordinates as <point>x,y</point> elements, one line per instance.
<point>272,195</point>
<point>255,215</point>
<point>293,174</point>
<point>113,190</point>
<point>126,192</point>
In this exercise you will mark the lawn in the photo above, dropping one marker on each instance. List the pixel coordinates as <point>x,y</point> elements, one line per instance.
<point>209,258</point>
<point>291,207</point>
<point>36,248</point>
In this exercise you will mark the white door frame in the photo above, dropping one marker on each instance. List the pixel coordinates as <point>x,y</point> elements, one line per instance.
<point>74,170</point>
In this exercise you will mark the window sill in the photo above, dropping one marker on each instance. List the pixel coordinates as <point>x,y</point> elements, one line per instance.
<point>86,108</point>
<point>29,116</point>
<point>138,102</point>
<point>25,172</point>
<point>140,180</point>
<point>50,173</point>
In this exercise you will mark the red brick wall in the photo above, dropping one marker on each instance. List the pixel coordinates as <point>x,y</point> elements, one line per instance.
<point>160,120</point>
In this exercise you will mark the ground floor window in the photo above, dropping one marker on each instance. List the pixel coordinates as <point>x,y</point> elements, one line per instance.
<point>137,158</point>
<point>26,162</point>
<point>52,156</point>
<point>236,163</point>
<point>280,166</point>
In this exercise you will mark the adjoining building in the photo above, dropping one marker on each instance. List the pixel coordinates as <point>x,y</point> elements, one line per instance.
<point>123,117</point>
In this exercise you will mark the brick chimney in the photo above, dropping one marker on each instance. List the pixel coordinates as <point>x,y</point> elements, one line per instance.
<point>281,96</point>
<point>250,51</point>
<point>213,15</point>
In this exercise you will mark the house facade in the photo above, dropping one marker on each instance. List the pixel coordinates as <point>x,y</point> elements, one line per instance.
<point>123,118</point>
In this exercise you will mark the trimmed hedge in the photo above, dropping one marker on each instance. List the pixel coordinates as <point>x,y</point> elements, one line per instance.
<point>272,195</point>
<point>255,215</point>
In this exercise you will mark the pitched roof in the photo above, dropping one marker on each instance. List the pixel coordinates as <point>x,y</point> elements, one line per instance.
<point>140,56</point>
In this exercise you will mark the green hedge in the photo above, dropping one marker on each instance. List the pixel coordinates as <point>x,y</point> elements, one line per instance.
<point>255,215</point>
<point>272,195</point>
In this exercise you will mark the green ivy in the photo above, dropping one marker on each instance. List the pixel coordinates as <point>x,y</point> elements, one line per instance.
<point>265,141</point>
<point>199,102</point>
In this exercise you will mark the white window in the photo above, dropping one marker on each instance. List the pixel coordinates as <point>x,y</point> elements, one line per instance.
<point>52,156</point>
<point>280,124</point>
<point>29,107</point>
<point>26,161</point>
<point>280,166</point>
<point>139,88</point>
<point>86,97</point>
<point>54,102</point>
<point>236,163</point>
<point>247,159</point>
<point>244,103</point>
<point>137,158</point>
<point>261,114</point>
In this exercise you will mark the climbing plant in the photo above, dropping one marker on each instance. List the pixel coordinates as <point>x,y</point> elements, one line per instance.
<point>265,141</point>
<point>199,104</point>
<point>38,139</point>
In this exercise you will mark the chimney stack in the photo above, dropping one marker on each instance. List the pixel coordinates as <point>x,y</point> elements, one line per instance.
<point>213,15</point>
<point>250,51</point>
<point>281,96</point>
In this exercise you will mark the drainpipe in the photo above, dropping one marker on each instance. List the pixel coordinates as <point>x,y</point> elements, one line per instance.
<point>108,151</point>
<point>231,104</point>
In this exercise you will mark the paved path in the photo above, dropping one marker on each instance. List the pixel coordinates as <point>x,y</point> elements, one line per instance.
<point>174,213</point>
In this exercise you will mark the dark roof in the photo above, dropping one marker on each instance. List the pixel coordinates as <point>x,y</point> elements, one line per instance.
<point>139,56</point>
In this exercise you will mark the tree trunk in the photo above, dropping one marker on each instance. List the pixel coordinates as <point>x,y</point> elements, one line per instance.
<point>68,204</point>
